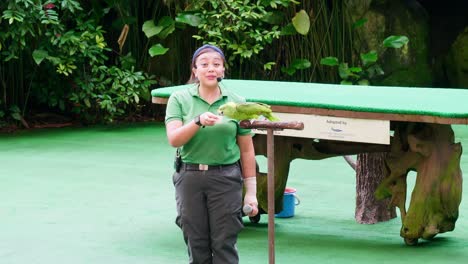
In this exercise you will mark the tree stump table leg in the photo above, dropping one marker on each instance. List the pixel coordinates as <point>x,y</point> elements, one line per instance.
<point>370,171</point>
<point>430,150</point>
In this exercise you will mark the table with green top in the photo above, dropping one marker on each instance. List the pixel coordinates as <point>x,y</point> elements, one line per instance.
<point>412,125</point>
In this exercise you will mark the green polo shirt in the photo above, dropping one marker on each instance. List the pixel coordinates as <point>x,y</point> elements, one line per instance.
<point>212,145</point>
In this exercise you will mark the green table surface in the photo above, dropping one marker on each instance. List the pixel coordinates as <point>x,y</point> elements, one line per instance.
<point>437,102</point>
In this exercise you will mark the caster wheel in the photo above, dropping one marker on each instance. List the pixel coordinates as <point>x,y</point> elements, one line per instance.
<point>255,219</point>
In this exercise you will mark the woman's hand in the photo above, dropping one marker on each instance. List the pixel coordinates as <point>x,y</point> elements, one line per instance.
<point>209,119</point>
<point>250,198</point>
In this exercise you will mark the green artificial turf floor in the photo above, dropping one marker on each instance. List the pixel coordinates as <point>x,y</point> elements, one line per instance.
<point>104,195</point>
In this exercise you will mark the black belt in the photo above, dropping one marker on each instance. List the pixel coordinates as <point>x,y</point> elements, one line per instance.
<point>204,167</point>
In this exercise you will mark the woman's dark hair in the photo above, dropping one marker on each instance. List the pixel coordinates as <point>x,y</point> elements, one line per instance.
<point>202,50</point>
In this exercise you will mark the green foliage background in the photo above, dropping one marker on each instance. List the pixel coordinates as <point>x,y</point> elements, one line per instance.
<point>63,56</point>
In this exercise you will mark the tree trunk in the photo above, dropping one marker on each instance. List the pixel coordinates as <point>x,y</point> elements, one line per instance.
<point>370,171</point>
<point>431,151</point>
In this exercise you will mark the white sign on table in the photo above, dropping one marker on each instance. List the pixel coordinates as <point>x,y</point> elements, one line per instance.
<point>336,128</point>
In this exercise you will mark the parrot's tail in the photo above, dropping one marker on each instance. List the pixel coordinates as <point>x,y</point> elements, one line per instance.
<point>271,117</point>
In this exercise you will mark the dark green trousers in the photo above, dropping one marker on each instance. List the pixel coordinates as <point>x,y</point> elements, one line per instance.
<point>209,212</point>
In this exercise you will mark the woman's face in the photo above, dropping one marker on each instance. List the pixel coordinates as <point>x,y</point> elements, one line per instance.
<point>208,67</point>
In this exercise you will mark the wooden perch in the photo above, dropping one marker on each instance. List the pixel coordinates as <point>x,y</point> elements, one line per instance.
<point>270,127</point>
<point>274,125</point>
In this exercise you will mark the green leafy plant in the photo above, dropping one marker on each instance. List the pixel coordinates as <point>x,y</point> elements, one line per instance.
<point>15,112</point>
<point>29,20</point>
<point>12,113</point>
<point>69,51</point>
<point>300,24</point>
<point>164,27</point>
<point>110,92</point>
<point>83,45</point>
<point>369,67</point>
<point>242,30</point>
<point>296,64</point>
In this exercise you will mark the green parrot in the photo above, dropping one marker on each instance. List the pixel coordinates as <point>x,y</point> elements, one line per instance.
<point>244,111</point>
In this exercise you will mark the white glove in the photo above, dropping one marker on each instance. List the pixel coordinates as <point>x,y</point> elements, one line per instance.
<point>250,198</point>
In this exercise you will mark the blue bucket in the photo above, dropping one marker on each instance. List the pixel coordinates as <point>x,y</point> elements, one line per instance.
<point>290,200</point>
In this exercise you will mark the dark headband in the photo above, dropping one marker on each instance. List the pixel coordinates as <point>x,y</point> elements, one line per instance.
<point>204,47</point>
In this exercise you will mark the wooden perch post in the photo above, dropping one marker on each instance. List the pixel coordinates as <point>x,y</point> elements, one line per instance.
<point>270,127</point>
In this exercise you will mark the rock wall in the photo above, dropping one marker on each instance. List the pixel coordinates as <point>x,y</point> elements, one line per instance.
<point>437,54</point>
<point>408,66</point>
<point>456,62</point>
